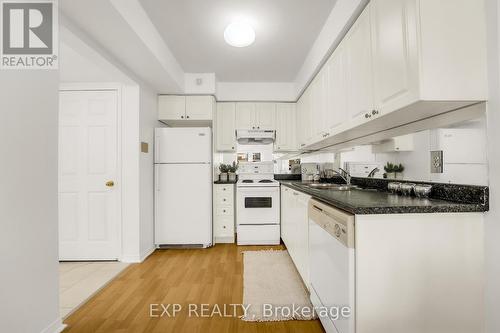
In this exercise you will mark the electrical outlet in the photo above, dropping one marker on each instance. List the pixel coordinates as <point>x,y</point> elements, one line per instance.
<point>437,161</point>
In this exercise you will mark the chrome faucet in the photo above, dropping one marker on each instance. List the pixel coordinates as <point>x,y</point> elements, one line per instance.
<point>373,172</point>
<point>346,176</point>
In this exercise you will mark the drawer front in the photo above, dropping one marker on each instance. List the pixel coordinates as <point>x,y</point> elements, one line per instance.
<point>223,226</point>
<point>225,211</point>
<point>224,189</point>
<point>224,199</point>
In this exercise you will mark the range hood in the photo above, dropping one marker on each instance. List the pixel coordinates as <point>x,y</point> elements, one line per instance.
<point>255,137</point>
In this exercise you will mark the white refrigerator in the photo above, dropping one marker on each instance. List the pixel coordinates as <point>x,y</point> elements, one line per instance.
<point>183,187</point>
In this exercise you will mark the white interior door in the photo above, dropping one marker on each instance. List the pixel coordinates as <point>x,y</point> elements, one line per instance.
<point>88,202</point>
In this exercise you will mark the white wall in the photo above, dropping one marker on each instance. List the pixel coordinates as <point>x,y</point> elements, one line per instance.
<point>256,91</point>
<point>84,61</point>
<point>492,226</point>
<point>29,291</point>
<point>148,121</point>
<point>208,85</point>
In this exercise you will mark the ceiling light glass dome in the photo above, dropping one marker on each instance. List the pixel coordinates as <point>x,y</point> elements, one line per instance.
<point>239,34</point>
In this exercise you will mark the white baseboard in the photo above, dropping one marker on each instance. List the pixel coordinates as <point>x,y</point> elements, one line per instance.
<point>137,258</point>
<point>147,253</point>
<point>56,327</point>
<point>226,239</point>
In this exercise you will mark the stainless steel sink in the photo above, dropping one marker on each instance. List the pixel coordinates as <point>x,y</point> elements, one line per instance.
<point>335,187</point>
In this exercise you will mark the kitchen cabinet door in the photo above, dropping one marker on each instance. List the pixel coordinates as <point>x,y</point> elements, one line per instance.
<point>394,50</point>
<point>264,116</point>
<point>199,107</point>
<point>285,127</point>
<point>307,115</point>
<point>299,129</point>
<point>171,107</point>
<point>359,70</point>
<point>245,115</point>
<point>286,214</point>
<point>225,127</point>
<point>336,91</point>
<point>299,231</point>
<point>317,113</point>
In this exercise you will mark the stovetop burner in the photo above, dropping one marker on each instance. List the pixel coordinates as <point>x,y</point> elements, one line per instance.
<point>265,181</point>
<point>247,181</point>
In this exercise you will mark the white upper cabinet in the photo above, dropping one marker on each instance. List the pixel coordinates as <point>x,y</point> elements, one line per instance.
<point>318,103</point>
<point>285,127</point>
<point>186,110</point>
<point>401,61</point>
<point>336,91</point>
<point>306,124</point>
<point>299,129</point>
<point>255,115</point>
<point>171,107</point>
<point>428,52</point>
<point>359,69</point>
<point>245,115</point>
<point>394,51</point>
<point>199,107</point>
<point>225,127</point>
<point>264,115</point>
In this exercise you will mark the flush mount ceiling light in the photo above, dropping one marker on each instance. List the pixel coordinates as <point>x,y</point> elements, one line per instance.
<point>239,34</point>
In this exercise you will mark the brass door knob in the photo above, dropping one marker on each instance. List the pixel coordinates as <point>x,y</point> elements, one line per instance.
<point>110,183</point>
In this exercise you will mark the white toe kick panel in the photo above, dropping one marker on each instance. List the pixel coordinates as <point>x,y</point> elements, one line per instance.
<point>258,234</point>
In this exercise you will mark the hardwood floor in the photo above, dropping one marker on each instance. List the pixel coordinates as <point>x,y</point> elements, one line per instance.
<point>192,276</point>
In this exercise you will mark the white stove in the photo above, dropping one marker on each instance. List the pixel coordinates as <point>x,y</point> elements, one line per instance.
<point>257,204</point>
<point>257,183</point>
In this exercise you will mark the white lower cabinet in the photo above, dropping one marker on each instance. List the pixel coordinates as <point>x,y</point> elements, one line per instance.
<point>223,213</point>
<point>294,229</point>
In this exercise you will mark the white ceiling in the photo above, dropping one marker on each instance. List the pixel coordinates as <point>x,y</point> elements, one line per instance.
<point>285,31</point>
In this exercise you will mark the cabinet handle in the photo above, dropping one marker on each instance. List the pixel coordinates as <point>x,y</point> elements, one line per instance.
<point>182,117</point>
<point>253,127</point>
<point>224,199</point>
<point>367,115</point>
<point>223,227</point>
<point>187,117</point>
<point>232,147</point>
<point>374,112</point>
<point>258,127</point>
<point>223,188</point>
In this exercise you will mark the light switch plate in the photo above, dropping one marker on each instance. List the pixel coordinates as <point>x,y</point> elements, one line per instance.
<point>437,161</point>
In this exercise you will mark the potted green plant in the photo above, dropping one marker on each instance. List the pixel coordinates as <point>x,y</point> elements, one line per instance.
<point>223,168</point>
<point>398,171</point>
<point>232,171</point>
<point>389,170</point>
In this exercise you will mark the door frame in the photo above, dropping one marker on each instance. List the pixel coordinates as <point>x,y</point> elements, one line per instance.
<point>116,87</point>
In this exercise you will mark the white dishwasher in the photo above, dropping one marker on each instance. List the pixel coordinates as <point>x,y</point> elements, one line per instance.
<point>332,265</point>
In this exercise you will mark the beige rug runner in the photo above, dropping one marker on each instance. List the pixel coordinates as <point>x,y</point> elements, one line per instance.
<point>273,289</point>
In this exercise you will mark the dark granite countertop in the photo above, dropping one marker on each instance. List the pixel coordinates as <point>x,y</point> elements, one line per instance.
<point>376,201</point>
<point>227,183</point>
